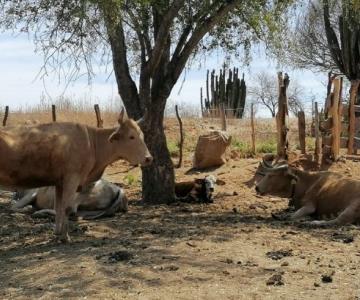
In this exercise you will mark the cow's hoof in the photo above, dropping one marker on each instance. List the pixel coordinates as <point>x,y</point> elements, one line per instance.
<point>62,239</point>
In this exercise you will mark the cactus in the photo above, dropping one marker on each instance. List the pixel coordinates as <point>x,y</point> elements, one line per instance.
<point>227,89</point>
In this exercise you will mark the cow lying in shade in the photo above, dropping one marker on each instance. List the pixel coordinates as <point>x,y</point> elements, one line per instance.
<point>198,190</point>
<point>319,194</point>
<point>100,199</point>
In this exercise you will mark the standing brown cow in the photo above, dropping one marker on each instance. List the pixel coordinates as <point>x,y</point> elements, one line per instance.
<point>68,156</point>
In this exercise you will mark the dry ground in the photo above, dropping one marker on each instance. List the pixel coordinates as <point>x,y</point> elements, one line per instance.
<point>232,249</point>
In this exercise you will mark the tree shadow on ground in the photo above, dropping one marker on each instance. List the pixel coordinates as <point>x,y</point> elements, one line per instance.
<point>147,232</point>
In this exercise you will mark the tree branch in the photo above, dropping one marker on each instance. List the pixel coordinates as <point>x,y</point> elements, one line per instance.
<point>126,85</point>
<point>332,40</point>
<point>178,62</point>
<point>162,34</point>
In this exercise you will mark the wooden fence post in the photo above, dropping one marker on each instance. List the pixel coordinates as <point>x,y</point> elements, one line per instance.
<point>6,115</point>
<point>53,112</point>
<point>99,121</point>
<point>253,148</point>
<point>301,126</point>
<point>181,138</point>
<point>353,94</point>
<point>223,118</point>
<point>317,134</point>
<point>336,120</point>
<point>281,115</point>
<point>201,102</point>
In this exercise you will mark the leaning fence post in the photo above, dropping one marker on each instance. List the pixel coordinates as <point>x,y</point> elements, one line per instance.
<point>6,115</point>
<point>99,121</point>
<point>53,111</point>
<point>301,125</point>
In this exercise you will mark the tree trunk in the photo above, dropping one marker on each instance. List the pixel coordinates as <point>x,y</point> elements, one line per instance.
<point>158,180</point>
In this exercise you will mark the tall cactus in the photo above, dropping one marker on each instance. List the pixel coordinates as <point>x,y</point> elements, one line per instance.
<point>227,90</point>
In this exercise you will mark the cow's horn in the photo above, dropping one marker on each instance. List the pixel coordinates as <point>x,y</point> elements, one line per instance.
<point>267,164</point>
<point>140,121</point>
<point>272,169</point>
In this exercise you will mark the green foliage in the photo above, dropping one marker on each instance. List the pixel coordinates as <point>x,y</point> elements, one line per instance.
<point>131,179</point>
<point>243,147</point>
<point>173,147</point>
<point>269,146</point>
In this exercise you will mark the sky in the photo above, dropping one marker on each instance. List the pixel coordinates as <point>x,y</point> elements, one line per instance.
<point>21,87</point>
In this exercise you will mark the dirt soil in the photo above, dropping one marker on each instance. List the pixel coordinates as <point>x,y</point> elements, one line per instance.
<point>232,249</point>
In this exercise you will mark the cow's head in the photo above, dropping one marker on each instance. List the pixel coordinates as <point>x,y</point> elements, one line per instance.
<point>206,187</point>
<point>277,180</point>
<point>129,140</point>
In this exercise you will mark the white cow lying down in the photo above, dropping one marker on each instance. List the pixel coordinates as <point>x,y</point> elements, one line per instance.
<point>99,199</point>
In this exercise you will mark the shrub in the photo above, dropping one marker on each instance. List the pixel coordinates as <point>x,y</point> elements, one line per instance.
<point>173,147</point>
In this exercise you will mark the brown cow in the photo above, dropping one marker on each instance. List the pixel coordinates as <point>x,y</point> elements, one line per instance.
<point>68,156</point>
<point>323,194</point>
<point>100,199</point>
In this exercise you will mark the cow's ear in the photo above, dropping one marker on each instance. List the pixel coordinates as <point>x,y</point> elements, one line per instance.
<point>122,117</point>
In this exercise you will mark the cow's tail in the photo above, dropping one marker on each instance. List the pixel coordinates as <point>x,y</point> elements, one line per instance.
<point>119,203</point>
<point>28,199</point>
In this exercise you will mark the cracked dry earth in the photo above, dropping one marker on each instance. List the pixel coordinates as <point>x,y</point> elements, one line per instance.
<point>232,249</point>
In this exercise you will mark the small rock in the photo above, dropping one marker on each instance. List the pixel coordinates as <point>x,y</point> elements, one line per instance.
<point>326,278</point>
<point>190,244</point>
<point>171,268</point>
<point>279,254</point>
<point>235,193</point>
<point>235,210</point>
<point>119,256</point>
<point>285,264</point>
<point>316,284</point>
<point>342,237</point>
<point>226,272</point>
<point>275,280</point>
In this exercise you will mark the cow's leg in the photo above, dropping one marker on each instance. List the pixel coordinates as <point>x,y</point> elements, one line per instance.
<point>64,203</point>
<point>347,216</point>
<point>306,210</point>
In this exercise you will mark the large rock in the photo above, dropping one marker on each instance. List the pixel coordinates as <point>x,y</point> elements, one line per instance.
<point>210,150</point>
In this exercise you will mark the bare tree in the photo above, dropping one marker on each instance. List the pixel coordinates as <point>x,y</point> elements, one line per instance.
<point>265,92</point>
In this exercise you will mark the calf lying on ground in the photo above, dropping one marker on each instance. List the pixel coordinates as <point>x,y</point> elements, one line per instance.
<point>199,190</point>
<point>100,199</point>
<point>322,194</point>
